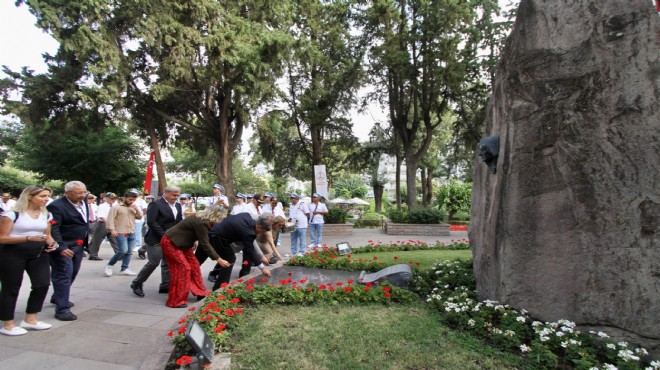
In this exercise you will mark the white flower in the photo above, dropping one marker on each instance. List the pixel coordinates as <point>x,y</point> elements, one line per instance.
<point>544,338</point>
<point>559,334</point>
<point>471,322</point>
<point>641,351</point>
<point>524,348</point>
<point>611,346</point>
<point>623,344</point>
<point>655,365</point>
<point>602,335</point>
<point>520,319</point>
<point>610,367</point>
<point>564,344</point>
<point>509,333</point>
<point>536,323</point>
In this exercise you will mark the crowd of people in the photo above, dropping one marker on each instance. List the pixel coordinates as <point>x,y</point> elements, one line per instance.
<point>48,239</point>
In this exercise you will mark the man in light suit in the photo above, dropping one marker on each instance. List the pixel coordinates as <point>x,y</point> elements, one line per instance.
<point>69,228</point>
<point>161,215</point>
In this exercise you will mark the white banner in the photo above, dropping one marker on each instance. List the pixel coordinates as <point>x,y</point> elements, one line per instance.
<point>321,180</point>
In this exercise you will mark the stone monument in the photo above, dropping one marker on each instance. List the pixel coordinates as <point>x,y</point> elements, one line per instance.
<point>568,225</point>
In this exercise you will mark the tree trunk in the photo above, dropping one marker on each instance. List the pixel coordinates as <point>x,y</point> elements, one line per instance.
<point>397,182</point>
<point>428,195</point>
<point>153,137</point>
<point>411,182</point>
<point>317,153</point>
<point>378,197</point>
<point>423,175</point>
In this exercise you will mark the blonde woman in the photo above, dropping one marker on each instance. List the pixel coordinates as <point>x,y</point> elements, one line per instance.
<point>266,241</point>
<point>178,244</point>
<point>24,241</point>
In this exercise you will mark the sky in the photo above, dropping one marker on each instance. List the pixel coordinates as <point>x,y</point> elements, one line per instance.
<point>22,44</point>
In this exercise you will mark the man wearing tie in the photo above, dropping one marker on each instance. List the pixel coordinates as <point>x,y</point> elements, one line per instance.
<point>161,215</point>
<point>69,229</point>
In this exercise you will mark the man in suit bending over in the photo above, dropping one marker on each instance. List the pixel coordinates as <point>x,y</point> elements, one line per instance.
<point>161,215</point>
<point>69,228</point>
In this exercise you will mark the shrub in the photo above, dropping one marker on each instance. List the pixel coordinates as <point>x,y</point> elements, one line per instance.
<point>336,216</point>
<point>423,215</point>
<point>370,219</point>
<point>398,216</point>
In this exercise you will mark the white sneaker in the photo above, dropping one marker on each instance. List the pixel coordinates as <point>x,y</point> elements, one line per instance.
<point>108,270</point>
<point>279,244</point>
<point>128,272</point>
<point>40,325</point>
<point>287,255</point>
<point>16,330</point>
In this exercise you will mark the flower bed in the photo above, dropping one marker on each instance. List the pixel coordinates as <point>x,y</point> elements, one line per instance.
<point>450,287</point>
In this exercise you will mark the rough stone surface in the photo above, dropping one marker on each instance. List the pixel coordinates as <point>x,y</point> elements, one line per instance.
<point>568,226</point>
<point>338,229</point>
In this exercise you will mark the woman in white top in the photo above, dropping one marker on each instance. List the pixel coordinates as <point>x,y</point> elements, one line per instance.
<point>24,241</point>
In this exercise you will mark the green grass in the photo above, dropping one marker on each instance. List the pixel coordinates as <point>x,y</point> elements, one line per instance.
<point>366,337</point>
<point>426,259</point>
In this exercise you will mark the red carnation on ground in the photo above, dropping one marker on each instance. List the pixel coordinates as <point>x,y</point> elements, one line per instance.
<point>249,287</point>
<point>170,333</point>
<point>79,242</point>
<point>184,360</point>
<point>182,329</point>
<point>245,263</point>
<point>251,281</point>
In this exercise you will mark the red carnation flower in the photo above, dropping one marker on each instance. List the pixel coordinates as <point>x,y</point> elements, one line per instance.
<point>184,360</point>
<point>249,287</point>
<point>79,242</point>
<point>52,222</point>
<point>170,333</point>
<point>245,263</point>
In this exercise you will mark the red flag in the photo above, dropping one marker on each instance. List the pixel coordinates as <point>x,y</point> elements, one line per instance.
<point>150,174</point>
<point>657,5</point>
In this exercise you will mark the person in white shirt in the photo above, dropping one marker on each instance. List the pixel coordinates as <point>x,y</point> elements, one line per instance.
<point>141,204</point>
<point>317,210</point>
<point>218,197</point>
<point>187,206</point>
<point>240,206</point>
<point>101,231</point>
<point>277,210</point>
<point>298,213</point>
<point>254,207</point>
<point>7,203</point>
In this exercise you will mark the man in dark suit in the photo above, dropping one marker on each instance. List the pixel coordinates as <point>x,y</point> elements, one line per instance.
<point>161,215</point>
<point>242,230</point>
<point>69,229</point>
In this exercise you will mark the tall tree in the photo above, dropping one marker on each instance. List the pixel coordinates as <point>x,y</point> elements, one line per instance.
<point>420,56</point>
<point>211,62</point>
<point>321,79</point>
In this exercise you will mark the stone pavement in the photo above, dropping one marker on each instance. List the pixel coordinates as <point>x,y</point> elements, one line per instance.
<point>117,330</point>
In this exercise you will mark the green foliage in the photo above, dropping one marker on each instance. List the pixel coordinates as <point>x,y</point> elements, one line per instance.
<point>13,181</point>
<point>195,189</point>
<point>106,160</point>
<point>450,287</point>
<point>454,197</point>
<point>336,216</point>
<point>370,219</point>
<point>350,186</point>
<point>398,216</point>
<point>422,215</point>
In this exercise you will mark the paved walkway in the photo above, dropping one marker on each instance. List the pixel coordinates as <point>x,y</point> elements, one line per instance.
<point>116,330</point>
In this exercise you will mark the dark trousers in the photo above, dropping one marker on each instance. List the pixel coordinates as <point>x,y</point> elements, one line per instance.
<point>224,250</point>
<point>15,259</point>
<point>99,234</point>
<point>63,273</point>
<point>155,258</point>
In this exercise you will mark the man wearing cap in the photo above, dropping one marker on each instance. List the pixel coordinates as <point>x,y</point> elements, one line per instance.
<point>101,230</point>
<point>316,210</point>
<point>299,214</point>
<point>218,197</point>
<point>240,206</point>
<point>254,207</point>
<point>242,230</point>
<point>162,214</point>
<point>186,206</point>
<point>7,203</point>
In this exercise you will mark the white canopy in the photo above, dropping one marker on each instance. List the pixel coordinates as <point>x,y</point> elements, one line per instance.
<point>337,201</point>
<point>358,201</point>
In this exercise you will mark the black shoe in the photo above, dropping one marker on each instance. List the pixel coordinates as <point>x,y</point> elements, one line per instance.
<point>141,255</point>
<point>95,258</point>
<point>67,316</point>
<point>200,297</point>
<point>70,303</point>
<point>273,260</point>
<point>183,305</point>
<point>137,289</point>
<point>213,278</point>
<point>163,290</point>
